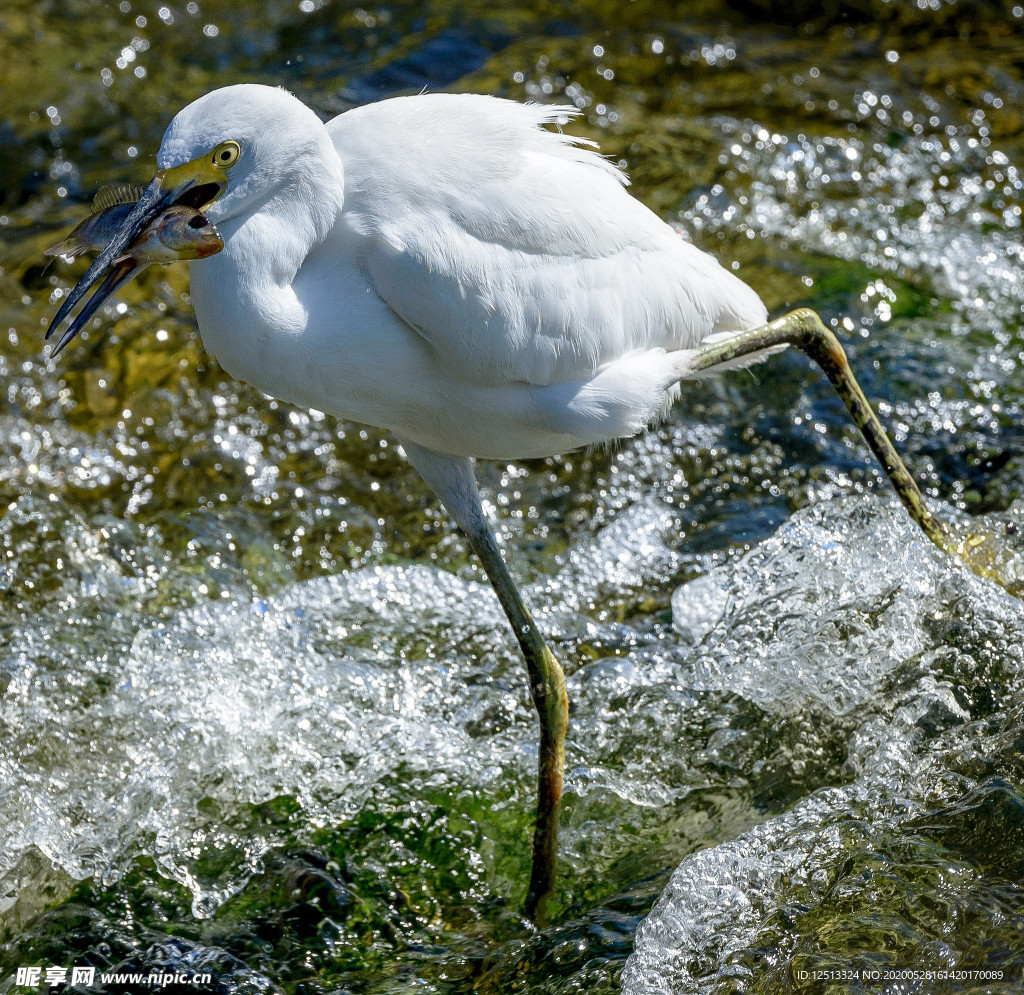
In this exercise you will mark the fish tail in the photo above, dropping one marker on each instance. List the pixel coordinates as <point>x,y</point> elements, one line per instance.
<point>73,245</point>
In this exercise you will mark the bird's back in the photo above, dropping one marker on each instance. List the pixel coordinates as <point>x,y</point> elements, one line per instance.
<point>517,253</point>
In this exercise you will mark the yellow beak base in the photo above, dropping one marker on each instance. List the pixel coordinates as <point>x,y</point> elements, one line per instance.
<point>193,184</point>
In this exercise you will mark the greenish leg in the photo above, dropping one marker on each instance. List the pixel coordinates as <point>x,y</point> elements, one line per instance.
<point>547,684</point>
<point>453,481</point>
<point>804,329</point>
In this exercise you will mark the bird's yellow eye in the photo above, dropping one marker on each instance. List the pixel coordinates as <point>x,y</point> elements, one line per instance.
<point>226,154</point>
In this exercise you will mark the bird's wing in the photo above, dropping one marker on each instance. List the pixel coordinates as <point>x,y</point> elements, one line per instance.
<point>514,251</point>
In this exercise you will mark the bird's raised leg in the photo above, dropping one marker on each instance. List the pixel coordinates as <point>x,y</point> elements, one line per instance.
<point>982,553</point>
<point>453,481</point>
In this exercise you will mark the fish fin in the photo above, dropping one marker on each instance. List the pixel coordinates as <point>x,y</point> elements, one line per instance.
<point>73,245</point>
<point>114,194</point>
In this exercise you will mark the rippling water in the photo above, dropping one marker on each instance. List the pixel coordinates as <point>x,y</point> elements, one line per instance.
<point>259,715</point>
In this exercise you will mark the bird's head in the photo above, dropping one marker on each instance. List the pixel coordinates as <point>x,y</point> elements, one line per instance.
<point>237,148</point>
<point>229,154</point>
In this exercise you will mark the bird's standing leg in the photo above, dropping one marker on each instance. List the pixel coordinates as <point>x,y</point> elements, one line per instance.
<point>803,329</point>
<point>453,481</point>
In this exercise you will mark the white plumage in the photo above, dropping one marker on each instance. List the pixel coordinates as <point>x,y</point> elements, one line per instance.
<point>446,267</point>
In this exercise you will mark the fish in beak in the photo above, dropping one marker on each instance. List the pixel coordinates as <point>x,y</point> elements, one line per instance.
<point>177,233</point>
<point>133,238</point>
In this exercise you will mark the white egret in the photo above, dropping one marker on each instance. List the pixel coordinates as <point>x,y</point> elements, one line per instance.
<point>445,267</point>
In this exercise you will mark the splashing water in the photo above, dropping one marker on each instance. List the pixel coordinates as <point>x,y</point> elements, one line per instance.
<point>849,616</point>
<point>259,715</point>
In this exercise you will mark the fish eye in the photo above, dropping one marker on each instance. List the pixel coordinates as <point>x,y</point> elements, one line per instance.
<point>226,154</point>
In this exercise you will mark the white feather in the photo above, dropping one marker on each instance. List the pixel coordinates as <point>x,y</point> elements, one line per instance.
<point>446,267</point>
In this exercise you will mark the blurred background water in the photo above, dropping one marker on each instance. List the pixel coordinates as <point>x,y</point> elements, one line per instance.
<point>260,716</point>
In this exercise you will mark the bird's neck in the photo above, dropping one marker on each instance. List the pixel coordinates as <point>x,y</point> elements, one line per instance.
<point>271,242</point>
<point>244,296</point>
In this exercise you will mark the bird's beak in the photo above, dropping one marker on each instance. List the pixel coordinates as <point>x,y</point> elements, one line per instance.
<point>193,184</point>
<point>120,273</point>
